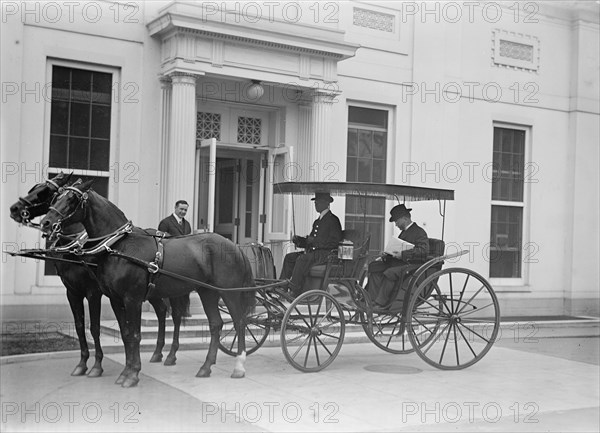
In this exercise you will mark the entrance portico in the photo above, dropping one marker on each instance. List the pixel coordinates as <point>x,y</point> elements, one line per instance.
<point>208,66</point>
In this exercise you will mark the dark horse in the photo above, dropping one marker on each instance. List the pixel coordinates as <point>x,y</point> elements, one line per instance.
<point>80,284</point>
<point>201,263</point>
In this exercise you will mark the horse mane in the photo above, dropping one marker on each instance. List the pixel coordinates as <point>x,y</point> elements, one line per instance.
<point>108,205</point>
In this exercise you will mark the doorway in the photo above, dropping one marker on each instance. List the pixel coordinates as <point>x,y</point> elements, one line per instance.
<point>237,193</point>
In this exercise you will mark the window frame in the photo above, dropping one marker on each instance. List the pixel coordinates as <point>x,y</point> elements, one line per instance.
<point>113,169</point>
<point>509,283</point>
<point>389,130</point>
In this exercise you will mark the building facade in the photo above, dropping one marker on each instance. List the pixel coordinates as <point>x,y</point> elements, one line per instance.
<point>215,102</point>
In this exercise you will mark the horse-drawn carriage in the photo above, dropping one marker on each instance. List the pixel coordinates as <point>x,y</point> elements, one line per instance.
<point>448,316</point>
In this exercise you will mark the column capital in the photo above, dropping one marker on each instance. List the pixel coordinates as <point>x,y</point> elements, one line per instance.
<point>182,75</point>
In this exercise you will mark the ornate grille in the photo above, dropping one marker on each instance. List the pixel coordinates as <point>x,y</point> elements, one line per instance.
<point>208,125</point>
<point>514,50</point>
<point>248,130</point>
<point>373,20</point>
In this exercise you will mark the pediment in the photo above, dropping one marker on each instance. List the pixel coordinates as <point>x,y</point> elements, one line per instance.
<point>209,41</point>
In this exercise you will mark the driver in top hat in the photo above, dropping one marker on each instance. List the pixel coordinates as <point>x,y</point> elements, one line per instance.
<point>387,274</point>
<point>325,235</point>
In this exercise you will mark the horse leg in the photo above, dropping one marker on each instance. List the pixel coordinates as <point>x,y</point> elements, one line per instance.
<point>76,303</point>
<point>237,312</point>
<point>161,313</point>
<point>210,303</point>
<point>119,310</point>
<point>132,335</point>
<point>94,305</point>
<point>179,307</point>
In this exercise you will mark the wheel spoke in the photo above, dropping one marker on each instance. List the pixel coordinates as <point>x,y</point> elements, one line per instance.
<point>316,350</point>
<point>455,344</point>
<point>301,345</point>
<point>434,340</point>
<point>467,341</point>
<point>473,332</point>
<point>476,309</point>
<point>472,297</point>
<point>445,342</point>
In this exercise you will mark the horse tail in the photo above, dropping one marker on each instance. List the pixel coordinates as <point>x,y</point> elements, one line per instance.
<point>181,306</point>
<point>248,296</point>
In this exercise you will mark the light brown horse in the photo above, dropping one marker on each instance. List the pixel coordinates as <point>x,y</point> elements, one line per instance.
<point>197,261</point>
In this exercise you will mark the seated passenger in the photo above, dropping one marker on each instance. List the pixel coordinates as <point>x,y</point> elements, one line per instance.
<point>387,272</point>
<point>325,235</point>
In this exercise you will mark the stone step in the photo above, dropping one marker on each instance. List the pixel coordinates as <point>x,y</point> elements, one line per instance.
<point>196,335</point>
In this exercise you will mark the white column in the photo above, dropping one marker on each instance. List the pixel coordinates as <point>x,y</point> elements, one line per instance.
<point>320,137</point>
<point>303,209</point>
<point>182,143</point>
<point>164,207</point>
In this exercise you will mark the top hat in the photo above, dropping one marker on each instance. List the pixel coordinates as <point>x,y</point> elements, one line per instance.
<point>398,211</point>
<point>322,196</point>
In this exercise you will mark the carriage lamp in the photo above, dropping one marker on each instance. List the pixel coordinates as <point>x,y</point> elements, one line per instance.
<point>346,250</point>
<point>255,91</point>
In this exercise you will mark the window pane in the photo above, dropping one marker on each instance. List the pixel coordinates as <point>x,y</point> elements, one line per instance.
<point>352,169</point>
<point>378,171</point>
<point>100,155</point>
<point>100,121</point>
<point>365,141</point>
<point>368,116</point>
<point>364,170</point>
<point>79,153</point>
<point>379,144</point>
<point>506,242</point>
<point>352,142</point>
<point>508,164</point>
<point>59,117</point>
<point>58,151</point>
<point>80,119</point>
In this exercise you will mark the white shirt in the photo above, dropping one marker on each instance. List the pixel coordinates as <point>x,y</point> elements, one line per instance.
<point>177,218</point>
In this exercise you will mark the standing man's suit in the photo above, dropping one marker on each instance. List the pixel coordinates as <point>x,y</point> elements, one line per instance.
<point>172,227</point>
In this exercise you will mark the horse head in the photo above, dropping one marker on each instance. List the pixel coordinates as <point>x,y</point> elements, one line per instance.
<point>38,199</point>
<point>69,206</point>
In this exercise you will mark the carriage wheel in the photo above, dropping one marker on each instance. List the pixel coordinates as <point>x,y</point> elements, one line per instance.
<point>258,325</point>
<point>461,319</point>
<point>388,332</point>
<point>312,331</point>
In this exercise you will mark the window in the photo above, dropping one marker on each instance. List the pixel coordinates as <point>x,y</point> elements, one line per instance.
<point>506,238</point>
<point>366,162</point>
<point>80,127</point>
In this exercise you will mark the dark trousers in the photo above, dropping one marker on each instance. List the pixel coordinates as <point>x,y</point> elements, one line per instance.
<point>386,278</point>
<point>297,266</point>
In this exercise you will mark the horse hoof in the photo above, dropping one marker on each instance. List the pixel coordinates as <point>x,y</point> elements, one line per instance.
<point>120,380</point>
<point>157,357</point>
<point>203,373</point>
<point>79,371</point>
<point>130,382</point>
<point>95,372</point>
<point>170,361</point>
<point>238,374</point>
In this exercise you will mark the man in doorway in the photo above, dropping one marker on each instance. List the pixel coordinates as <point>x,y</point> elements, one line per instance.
<point>387,273</point>
<point>175,224</point>
<point>325,235</point>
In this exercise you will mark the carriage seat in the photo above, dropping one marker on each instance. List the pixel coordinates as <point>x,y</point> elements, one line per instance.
<point>336,268</point>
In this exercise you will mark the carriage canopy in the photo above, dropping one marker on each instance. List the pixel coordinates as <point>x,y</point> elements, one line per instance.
<point>388,191</point>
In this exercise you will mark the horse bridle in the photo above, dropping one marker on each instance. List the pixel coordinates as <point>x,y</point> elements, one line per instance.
<point>57,226</point>
<point>28,205</point>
